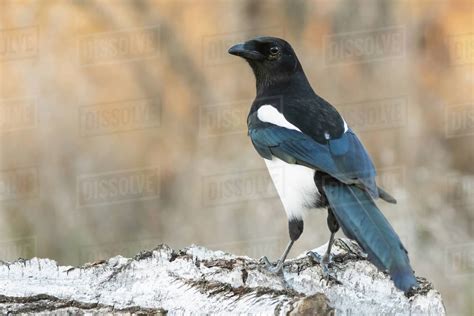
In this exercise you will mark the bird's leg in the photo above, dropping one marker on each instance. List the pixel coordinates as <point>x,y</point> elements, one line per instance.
<point>278,268</point>
<point>327,256</point>
<point>333,227</point>
<point>295,228</point>
<point>326,259</point>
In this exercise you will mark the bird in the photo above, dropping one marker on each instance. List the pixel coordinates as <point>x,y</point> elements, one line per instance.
<point>325,164</point>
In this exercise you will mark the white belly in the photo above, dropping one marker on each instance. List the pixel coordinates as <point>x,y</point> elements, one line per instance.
<point>295,186</point>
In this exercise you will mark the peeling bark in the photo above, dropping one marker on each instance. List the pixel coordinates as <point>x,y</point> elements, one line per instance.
<point>198,280</point>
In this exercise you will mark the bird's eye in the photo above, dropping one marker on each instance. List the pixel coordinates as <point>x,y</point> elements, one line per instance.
<point>274,50</point>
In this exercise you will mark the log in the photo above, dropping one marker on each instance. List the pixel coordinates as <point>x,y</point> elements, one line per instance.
<point>199,280</point>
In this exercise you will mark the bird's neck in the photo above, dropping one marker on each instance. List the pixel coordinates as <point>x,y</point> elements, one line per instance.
<point>273,85</point>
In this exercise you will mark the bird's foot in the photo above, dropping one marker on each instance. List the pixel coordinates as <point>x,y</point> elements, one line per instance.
<point>270,267</point>
<point>315,256</point>
<point>328,275</point>
<point>325,262</point>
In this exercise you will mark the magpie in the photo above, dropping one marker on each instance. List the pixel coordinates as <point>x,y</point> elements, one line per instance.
<point>325,164</point>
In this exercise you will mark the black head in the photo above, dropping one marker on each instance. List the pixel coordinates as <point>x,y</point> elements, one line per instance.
<point>272,59</point>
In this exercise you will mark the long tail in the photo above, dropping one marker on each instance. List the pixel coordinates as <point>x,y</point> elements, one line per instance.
<point>361,220</point>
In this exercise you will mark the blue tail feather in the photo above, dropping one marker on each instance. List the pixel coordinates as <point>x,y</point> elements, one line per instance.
<point>361,220</point>
<point>404,279</point>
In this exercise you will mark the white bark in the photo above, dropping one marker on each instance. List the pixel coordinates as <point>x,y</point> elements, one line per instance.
<point>198,280</point>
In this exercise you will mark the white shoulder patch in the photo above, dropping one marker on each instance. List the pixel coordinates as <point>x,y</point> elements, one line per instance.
<point>345,124</point>
<point>267,113</point>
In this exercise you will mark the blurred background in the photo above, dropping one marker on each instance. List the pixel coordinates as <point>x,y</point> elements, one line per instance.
<point>123,126</point>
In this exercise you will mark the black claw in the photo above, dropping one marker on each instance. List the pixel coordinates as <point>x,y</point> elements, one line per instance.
<point>264,261</point>
<point>325,263</point>
<point>272,268</point>
<point>315,256</point>
<point>330,279</point>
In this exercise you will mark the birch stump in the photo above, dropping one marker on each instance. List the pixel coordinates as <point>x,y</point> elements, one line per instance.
<point>199,280</point>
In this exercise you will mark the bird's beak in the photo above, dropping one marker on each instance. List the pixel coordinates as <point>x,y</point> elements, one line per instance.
<point>245,50</point>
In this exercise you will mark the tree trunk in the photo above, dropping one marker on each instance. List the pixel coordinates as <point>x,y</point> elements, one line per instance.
<point>198,280</point>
